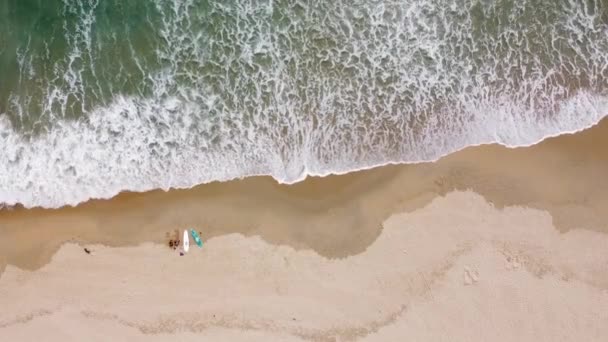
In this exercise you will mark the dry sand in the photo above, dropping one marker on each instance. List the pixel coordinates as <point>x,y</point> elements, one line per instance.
<point>489,243</point>
<point>457,269</point>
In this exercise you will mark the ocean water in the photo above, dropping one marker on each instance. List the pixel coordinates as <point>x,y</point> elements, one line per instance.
<point>101,96</point>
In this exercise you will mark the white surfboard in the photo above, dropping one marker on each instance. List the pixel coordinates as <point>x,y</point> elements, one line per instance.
<point>186,241</point>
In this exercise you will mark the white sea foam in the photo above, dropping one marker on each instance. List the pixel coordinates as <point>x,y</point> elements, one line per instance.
<point>329,90</point>
<point>80,161</point>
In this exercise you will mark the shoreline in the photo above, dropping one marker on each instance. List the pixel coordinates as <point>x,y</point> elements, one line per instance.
<point>599,117</point>
<point>336,216</point>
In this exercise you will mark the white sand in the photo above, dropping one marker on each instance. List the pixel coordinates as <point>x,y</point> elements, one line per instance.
<point>455,270</point>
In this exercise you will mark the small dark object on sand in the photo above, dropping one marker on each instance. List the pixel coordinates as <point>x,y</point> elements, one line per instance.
<point>170,243</point>
<point>181,253</point>
<point>87,251</point>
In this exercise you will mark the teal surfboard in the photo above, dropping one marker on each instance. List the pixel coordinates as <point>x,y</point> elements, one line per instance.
<point>196,238</point>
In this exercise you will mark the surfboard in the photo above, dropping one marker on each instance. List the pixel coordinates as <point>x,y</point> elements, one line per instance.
<point>196,238</point>
<point>186,241</point>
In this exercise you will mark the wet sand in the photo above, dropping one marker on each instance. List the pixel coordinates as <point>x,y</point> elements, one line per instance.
<point>488,241</point>
<point>336,216</point>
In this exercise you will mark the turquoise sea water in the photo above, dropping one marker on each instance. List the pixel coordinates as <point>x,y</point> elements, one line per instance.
<point>99,96</point>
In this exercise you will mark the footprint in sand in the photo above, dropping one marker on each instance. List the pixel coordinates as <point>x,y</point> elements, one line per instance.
<point>470,276</point>
<point>512,263</point>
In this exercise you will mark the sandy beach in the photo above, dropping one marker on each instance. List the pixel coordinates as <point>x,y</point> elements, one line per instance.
<point>412,170</point>
<point>489,243</point>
